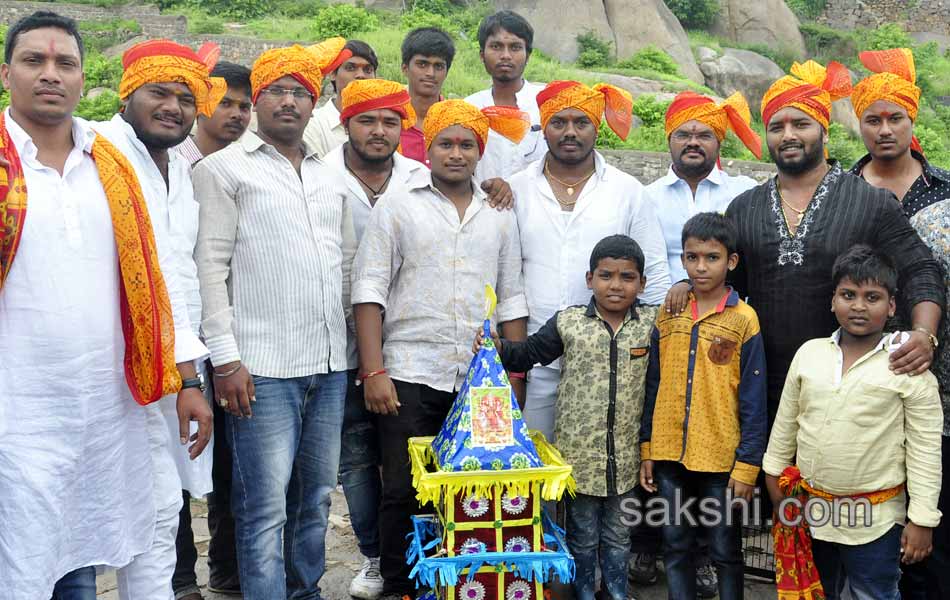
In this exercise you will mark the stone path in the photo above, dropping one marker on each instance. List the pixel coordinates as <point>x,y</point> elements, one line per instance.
<point>343,560</point>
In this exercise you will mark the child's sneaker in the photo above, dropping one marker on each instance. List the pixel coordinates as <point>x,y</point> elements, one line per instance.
<point>642,568</point>
<point>707,586</point>
<point>368,583</point>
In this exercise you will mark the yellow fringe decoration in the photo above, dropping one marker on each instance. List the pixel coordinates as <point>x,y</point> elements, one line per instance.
<point>431,484</point>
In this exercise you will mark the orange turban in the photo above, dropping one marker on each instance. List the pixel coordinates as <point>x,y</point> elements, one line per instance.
<point>894,80</point>
<point>732,113</point>
<point>364,95</point>
<point>506,120</point>
<point>603,100</point>
<point>811,88</point>
<point>306,65</point>
<point>163,61</point>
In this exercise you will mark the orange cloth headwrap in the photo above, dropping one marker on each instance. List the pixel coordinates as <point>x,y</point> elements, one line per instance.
<point>733,114</point>
<point>306,65</point>
<point>601,101</point>
<point>364,95</point>
<point>506,120</point>
<point>811,88</point>
<point>894,80</point>
<point>162,61</point>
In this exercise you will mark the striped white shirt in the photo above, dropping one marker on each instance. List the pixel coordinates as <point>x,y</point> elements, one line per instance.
<point>269,259</point>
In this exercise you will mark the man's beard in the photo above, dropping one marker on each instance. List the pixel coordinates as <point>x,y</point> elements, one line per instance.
<point>684,169</point>
<point>571,160</point>
<point>809,160</point>
<point>157,142</point>
<point>368,158</point>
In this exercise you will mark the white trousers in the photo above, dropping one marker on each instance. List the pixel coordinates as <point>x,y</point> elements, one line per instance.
<point>541,399</point>
<point>149,575</point>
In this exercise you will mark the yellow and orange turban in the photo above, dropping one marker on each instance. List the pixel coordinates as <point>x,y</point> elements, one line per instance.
<point>894,80</point>
<point>163,61</point>
<point>364,95</point>
<point>506,120</point>
<point>307,65</point>
<point>601,101</point>
<point>733,113</point>
<point>811,88</point>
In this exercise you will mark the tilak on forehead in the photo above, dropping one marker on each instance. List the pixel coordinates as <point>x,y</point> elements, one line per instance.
<point>307,65</point>
<point>893,79</point>
<point>164,61</point>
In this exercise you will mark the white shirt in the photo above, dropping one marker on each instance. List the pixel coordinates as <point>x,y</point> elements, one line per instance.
<point>174,214</point>
<point>674,204</point>
<point>270,260</point>
<point>556,249</point>
<point>503,158</point>
<point>75,471</point>
<point>324,132</point>
<point>355,220</point>
<point>428,271</point>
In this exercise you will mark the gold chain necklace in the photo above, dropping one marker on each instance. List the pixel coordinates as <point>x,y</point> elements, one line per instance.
<point>570,186</point>
<point>800,213</point>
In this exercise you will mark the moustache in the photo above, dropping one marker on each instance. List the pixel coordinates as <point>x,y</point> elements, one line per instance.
<point>290,112</point>
<point>790,146</point>
<point>168,117</point>
<point>695,149</point>
<point>50,90</point>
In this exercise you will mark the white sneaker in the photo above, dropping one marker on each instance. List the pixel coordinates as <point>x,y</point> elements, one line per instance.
<point>368,583</point>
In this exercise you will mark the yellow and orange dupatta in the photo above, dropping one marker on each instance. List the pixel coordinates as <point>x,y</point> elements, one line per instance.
<point>147,322</point>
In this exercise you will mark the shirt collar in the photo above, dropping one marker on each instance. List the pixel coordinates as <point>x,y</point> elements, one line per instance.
<point>715,177</point>
<point>930,172</point>
<point>882,345</point>
<point>129,132</point>
<point>251,142</point>
<point>731,298</point>
<point>83,135</point>
<point>593,313</point>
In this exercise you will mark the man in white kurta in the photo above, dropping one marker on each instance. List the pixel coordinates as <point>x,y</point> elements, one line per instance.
<point>560,225</point>
<point>76,471</point>
<point>165,178</point>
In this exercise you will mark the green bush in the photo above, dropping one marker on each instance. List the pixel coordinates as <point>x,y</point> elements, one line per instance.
<point>650,110</point>
<point>102,72</point>
<point>299,9</point>
<point>694,14</point>
<point>99,35</point>
<point>417,18</point>
<point>100,108</point>
<point>593,51</point>
<point>806,9</point>
<point>344,20</point>
<point>651,58</point>
<point>437,7</point>
<point>206,24</point>
<point>934,143</point>
<point>889,35</point>
<point>824,43</point>
<point>843,146</point>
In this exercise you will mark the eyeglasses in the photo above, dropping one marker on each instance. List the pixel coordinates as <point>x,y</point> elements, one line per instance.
<point>298,93</point>
<point>683,136</point>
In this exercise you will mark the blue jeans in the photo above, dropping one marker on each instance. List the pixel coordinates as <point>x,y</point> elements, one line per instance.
<point>359,469</point>
<point>595,525</point>
<point>76,585</point>
<point>871,570</point>
<point>286,458</point>
<point>678,486</point>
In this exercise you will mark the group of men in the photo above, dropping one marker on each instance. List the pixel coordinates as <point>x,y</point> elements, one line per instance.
<point>319,276</point>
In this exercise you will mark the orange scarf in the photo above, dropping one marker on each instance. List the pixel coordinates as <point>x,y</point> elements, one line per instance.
<point>147,322</point>
<point>796,576</point>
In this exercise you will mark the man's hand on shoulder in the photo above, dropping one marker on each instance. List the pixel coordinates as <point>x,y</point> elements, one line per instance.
<point>500,196</point>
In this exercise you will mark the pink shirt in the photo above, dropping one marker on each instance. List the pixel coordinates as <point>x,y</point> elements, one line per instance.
<point>414,145</point>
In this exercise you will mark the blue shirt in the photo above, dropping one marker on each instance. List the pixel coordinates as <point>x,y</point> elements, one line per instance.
<point>674,204</point>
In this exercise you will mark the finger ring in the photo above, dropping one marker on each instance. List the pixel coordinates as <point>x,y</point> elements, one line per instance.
<point>223,402</point>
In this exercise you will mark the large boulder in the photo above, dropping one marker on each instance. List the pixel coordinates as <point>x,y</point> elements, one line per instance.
<point>768,22</point>
<point>738,70</point>
<point>629,24</point>
<point>640,23</point>
<point>842,111</point>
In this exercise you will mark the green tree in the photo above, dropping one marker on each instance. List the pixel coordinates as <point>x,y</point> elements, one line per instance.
<point>344,20</point>
<point>694,14</point>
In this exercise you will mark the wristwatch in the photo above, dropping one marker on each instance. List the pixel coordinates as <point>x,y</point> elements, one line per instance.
<point>193,382</point>
<point>934,342</point>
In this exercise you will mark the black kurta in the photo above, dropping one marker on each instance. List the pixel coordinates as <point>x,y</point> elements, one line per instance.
<point>787,278</point>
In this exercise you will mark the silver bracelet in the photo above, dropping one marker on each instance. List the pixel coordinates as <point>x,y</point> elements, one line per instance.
<point>229,373</point>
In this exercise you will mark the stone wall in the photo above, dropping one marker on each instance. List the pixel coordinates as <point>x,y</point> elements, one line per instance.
<point>932,16</point>
<point>647,167</point>
<point>148,17</point>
